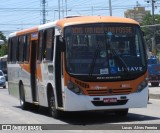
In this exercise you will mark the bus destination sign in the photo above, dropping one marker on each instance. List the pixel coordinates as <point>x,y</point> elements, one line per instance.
<point>101,30</point>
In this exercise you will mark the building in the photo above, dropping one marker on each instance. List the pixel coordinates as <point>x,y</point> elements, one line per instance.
<point>137,13</point>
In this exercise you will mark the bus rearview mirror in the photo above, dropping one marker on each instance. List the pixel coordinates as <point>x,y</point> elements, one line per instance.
<point>61,42</point>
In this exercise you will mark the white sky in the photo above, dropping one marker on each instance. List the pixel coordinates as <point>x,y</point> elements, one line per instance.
<point>20,14</point>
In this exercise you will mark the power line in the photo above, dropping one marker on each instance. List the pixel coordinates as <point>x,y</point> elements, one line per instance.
<point>18,13</point>
<point>19,24</point>
<point>44,11</point>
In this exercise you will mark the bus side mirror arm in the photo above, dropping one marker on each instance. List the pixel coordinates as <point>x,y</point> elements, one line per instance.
<point>61,42</point>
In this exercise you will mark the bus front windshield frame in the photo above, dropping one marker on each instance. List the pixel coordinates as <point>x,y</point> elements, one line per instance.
<point>105,50</point>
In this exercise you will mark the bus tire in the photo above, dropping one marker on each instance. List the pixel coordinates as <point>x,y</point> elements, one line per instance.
<point>4,87</point>
<point>122,112</point>
<point>23,103</point>
<point>53,112</point>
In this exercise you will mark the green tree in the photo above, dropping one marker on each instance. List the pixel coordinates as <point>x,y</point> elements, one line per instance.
<point>3,48</point>
<point>151,30</point>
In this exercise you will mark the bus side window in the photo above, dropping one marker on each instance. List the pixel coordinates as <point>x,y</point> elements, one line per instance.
<point>20,48</point>
<point>44,45</point>
<point>40,46</point>
<point>14,49</point>
<point>10,50</point>
<point>27,48</point>
<point>49,44</point>
<point>24,48</point>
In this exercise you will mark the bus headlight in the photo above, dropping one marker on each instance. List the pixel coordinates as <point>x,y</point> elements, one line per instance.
<point>142,85</point>
<point>74,88</point>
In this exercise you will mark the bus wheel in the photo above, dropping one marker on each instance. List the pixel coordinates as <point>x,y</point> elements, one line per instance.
<point>4,86</point>
<point>53,112</point>
<point>23,103</point>
<point>122,112</point>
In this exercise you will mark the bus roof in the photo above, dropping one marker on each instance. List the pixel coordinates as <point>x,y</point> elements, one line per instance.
<point>76,20</point>
<point>94,19</point>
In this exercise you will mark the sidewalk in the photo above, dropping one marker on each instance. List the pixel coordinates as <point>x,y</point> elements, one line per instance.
<point>154,92</point>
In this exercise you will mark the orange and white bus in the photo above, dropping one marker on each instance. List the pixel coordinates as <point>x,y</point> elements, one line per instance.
<point>74,64</point>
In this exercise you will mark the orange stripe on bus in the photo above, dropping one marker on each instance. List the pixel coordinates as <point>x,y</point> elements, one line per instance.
<point>26,67</point>
<point>25,31</point>
<point>125,87</point>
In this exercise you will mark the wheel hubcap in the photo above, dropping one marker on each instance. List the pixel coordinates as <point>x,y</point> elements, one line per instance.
<point>52,105</point>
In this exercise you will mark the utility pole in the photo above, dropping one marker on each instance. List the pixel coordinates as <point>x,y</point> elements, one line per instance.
<point>66,7</point>
<point>44,11</point>
<point>62,10</point>
<point>154,27</point>
<point>153,19</point>
<point>59,9</point>
<point>110,7</point>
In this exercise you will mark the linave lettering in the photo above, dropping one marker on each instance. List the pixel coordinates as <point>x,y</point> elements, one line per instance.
<point>130,69</point>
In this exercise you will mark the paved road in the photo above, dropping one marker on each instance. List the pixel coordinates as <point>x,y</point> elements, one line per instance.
<point>10,113</point>
<point>154,92</point>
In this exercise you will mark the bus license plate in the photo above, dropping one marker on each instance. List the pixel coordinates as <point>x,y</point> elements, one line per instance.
<point>110,100</point>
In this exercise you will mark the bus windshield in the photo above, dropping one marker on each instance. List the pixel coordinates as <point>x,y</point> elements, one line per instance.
<point>104,50</point>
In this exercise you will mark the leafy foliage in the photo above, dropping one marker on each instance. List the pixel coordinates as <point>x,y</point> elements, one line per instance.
<point>3,48</point>
<point>151,30</point>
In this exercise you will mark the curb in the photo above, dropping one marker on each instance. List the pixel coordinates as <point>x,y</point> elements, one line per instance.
<point>154,96</point>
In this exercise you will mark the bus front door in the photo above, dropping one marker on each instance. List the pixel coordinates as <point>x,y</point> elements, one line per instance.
<point>33,71</point>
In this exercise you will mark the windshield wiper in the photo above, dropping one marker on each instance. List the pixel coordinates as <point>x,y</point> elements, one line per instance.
<point>94,61</point>
<point>121,60</point>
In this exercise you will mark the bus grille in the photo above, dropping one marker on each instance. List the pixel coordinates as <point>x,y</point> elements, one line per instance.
<point>105,92</point>
<point>84,85</point>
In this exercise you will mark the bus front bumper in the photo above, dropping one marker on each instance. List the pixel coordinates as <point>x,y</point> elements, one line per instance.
<point>74,102</point>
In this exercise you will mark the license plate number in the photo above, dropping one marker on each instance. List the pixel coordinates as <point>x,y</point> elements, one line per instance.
<point>110,100</point>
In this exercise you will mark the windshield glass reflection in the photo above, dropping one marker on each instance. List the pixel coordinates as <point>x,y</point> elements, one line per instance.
<point>105,51</point>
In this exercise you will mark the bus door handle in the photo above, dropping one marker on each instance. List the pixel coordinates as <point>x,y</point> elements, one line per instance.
<point>50,68</point>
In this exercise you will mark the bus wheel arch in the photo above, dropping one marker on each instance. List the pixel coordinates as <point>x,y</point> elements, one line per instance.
<point>53,112</point>
<point>23,103</point>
